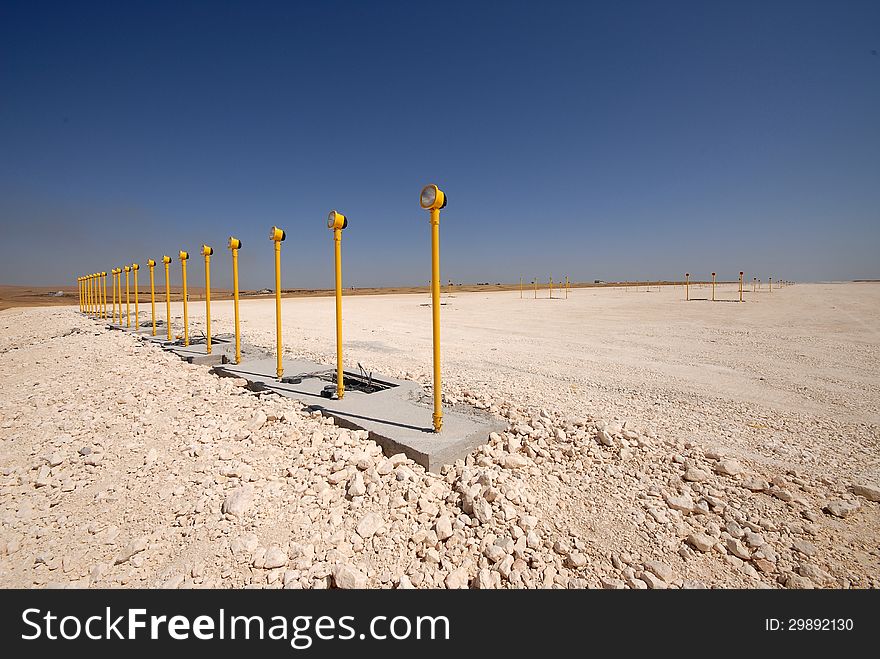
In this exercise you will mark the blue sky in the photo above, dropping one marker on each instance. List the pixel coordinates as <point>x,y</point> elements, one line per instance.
<point>618,140</point>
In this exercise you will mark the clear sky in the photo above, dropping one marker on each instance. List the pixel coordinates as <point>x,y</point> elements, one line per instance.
<point>607,140</point>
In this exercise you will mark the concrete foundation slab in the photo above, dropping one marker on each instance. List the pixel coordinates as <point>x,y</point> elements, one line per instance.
<point>197,351</point>
<point>393,414</point>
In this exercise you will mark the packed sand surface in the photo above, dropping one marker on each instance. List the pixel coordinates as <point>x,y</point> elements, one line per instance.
<point>652,443</point>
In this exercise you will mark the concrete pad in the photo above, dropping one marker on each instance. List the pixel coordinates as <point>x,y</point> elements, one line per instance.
<point>197,351</point>
<point>394,416</point>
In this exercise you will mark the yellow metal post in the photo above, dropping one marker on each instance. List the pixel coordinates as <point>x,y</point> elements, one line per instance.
<point>104,294</point>
<point>206,252</point>
<point>183,256</point>
<point>435,309</point>
<point>234,244</point>
<point>127,298</point>
<point>336,222</point>
<point>88,294</point>
<point>113,304</point>
<point>80,289</point>
<point>535,282</point>
<point>276,235</point>
<point>551,287</point>
<point>137,319</point>
<point>433,199</point>
<point>152,265</point>
<point>687,286</point>
<point>520,288</point>
<point>770,280</point>
<point>119,291</point>
<point>566,287</point>
<point>119,297</point>
<point>713,287</point>
<point>166,261</point>
<point>740,286</point>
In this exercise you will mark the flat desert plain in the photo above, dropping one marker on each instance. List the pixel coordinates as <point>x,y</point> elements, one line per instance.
<point>651,443</point>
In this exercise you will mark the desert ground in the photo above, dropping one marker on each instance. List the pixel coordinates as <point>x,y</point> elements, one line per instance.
<point>651,443</point>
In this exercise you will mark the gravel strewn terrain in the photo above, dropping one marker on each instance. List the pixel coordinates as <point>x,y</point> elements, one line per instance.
<point>652,443</point>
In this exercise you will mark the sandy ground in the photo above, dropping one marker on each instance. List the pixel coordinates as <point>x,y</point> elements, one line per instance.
<point>653,442</point>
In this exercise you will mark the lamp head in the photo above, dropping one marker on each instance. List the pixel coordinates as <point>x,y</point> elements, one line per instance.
<point>336,220</point>
<point>277,235</point>
<point>234,243</point>
<point>135,266</point>
<point>166,259</point>
<point>207,251</point>
<point>103,274</point>
<point>432,197</point>
<point>183,256</point>
<point>151,263</point>
<point>127,268</point>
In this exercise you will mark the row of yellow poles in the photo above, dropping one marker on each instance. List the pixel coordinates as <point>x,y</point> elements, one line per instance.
<point>756,284</point>
<point>567,286</point>
<point>86,295</point>
<point>431,199</point>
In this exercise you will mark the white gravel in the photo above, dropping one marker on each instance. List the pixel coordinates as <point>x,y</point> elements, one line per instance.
<point>652,443</point>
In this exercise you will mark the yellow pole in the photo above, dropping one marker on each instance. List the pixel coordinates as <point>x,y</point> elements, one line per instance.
<point>535,282</point>
<point>713,287</point>
<point>79,294</point>
<point>551,287</point>
<point>88,294</point>
<point>566,287</point>
<point>740,287</point>
<point>166,261</point>
<point>127,298</point>
<point>235,244</point>
<point>770,279</point>
<point>276,236</point>
<point>152,264</point>
<point>687,286</point>
<point>135,267</point>
<point>118,296</point>
<point>435,308</point>
<point>183,256</point>
<point>206,252</point>
<point>104,294</point>
<point>337,244</point>
<point>520,288</point>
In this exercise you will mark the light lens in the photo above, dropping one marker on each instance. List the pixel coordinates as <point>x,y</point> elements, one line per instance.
<point>429,196</point>
<point>331,219</point>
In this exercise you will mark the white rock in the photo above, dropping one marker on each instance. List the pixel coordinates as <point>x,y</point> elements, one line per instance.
<point>443,527</point>
<point>841,508</point>
<point>695,475</point>
<point>349,577</point>
<point>369,525</point>
<point>239,501</point>
<point>482,510</point>
<point>275,557</point>
<point>729,467</point>
<point>356,487</point>
<point>738,549</point>
<point>515,461</point>
<point>700,541</point>
<point>661,570</point>
<point>870,492</point>
<point>457,579</point>
<point>684,503</point>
